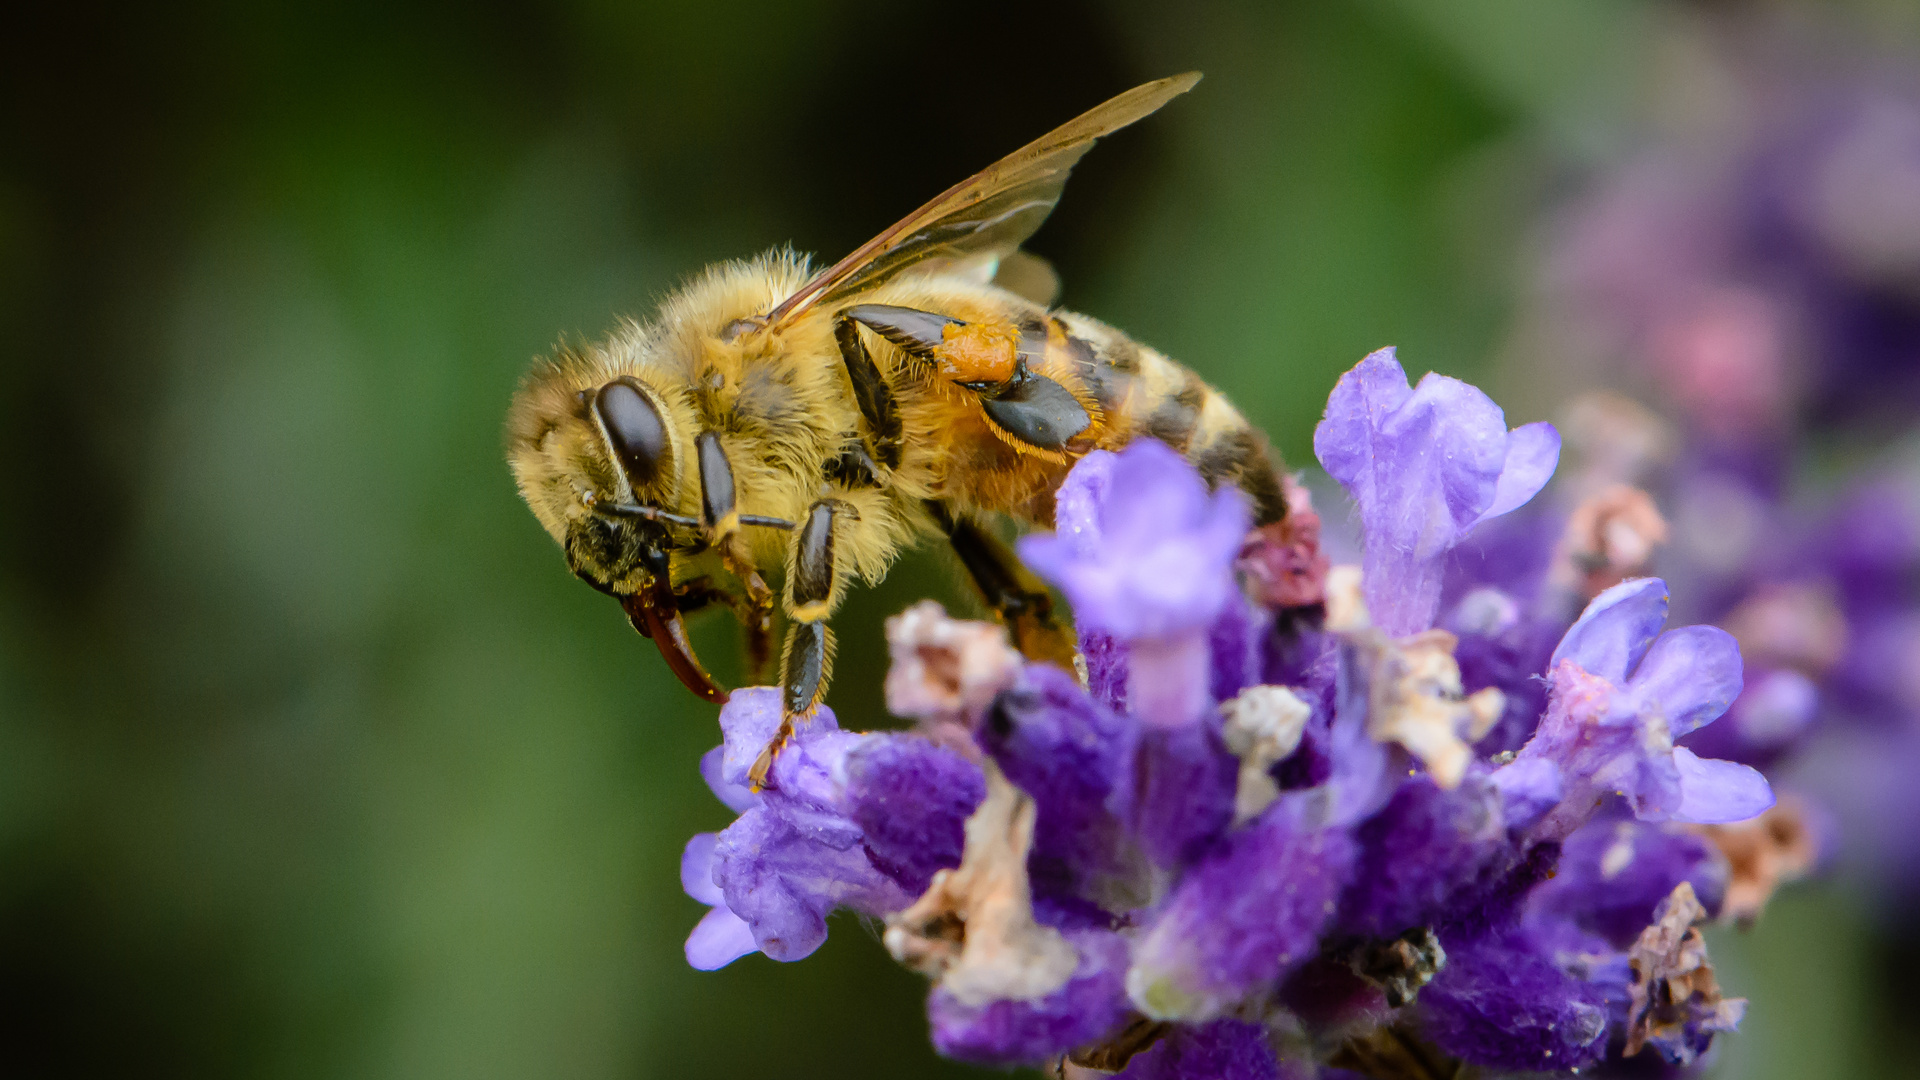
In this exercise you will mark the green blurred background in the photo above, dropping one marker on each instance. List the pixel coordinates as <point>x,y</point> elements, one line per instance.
<point>314,761</point>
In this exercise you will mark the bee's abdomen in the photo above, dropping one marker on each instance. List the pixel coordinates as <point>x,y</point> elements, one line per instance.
<point>1144,394</point>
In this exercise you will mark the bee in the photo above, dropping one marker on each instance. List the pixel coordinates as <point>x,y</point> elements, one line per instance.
<point>825,421</point>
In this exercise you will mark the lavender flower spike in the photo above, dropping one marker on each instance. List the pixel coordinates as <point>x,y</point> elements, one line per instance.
<point>1146,555</point>
<point>1425,464</point>
<point>1620,696</point>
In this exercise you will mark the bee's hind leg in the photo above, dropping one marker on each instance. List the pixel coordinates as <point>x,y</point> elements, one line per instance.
<point>1015,595</point>
<point>814,586</point>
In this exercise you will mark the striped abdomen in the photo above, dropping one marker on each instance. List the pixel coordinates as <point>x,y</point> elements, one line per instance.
<point>1142,393</point>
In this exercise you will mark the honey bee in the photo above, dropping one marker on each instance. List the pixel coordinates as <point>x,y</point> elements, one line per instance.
<point>824,422</point>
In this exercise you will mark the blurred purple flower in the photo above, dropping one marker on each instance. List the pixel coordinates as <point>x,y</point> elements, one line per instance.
<point>1146,555</point>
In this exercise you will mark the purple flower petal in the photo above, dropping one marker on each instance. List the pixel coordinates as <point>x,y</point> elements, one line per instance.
<point>738,798</point>
<point>1091,1005</point>
<point>1067,751</point>
<point>1221,1050</point>
<point>1692,673</point>
<point>783,882</point>
<point>1427,848</point>
<point>696,869</point>
<point>910,798</point>
<point>1718,792</point>
<point>1613,633</point>
<point>748,721</point>
<point>720,938</point>
<point>1424,465</point>
<point>1533,453</point>
<point>1244,916</point>
<point>1177,795</point>
<point>1613,873</point>
<point>1529,787</point>
<point>1150,553</point>
<point>1500,1005</point>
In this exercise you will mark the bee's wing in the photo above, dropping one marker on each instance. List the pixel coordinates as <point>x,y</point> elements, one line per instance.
<point>989,213</point>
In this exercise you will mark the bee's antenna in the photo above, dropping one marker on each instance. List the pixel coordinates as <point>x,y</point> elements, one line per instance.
<point>766,522</point>
<point>645,513</point>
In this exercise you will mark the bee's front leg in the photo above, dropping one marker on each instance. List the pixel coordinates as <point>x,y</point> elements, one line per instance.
<point>814,586</point>
<point>720,514</point>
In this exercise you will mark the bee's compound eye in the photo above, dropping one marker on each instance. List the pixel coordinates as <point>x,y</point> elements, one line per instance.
<point>634,429</point>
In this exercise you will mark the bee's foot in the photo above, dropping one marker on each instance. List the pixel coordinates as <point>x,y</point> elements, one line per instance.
<point>763,765</point>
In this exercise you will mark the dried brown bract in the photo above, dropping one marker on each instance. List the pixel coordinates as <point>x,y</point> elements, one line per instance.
<point>1263,726</point>
<point>1415,695</point>
<point>1402,966</point>
<point>946,670</point>
<point>1609,537</point>
<point>1674,998</point>
<point>973,931</point>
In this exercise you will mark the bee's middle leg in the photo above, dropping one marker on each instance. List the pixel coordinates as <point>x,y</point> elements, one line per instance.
<point>815,583</point>
<point>1014,594</point>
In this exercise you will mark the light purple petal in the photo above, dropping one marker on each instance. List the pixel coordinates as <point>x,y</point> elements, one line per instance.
<point>1076,505</point>
<point>748,722</point>
<point>696,869</point>
<point>1528,787</point>
<point>1145,551</point>
<point>1612,635</point>
<point>720,939</point>
<point>1424,465</point>
<point>1469,433</point>
<point>1361,402</point>
<point>1689,676</point>
<point>1533,452</point>
<point>738,798</point>
<point>1718,792</point>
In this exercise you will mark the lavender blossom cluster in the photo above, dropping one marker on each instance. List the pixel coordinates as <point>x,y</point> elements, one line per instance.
<point>1289,820</point>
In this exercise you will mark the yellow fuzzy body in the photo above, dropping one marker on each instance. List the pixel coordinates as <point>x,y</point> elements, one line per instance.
<point>782,405</point>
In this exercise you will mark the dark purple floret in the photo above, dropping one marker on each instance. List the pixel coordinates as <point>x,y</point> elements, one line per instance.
<point>1499,1004</point>
<point>1221,1050</point>
<point>1091,1005</point>
<point>1245,915</point>
<point>1176,795</point>
<point>910,798</point>
<point>1067,751</point>
<point>1237,641</point>
<point>1496,901</point>
<point>1426,850</point>
<point>1106,658</point>
<point>1614,872</point>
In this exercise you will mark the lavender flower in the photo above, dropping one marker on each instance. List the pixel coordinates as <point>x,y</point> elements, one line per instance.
<point>846,820</point>
<point>1622,693</point>
<point>1256,849</point>
<point>1425,465</point>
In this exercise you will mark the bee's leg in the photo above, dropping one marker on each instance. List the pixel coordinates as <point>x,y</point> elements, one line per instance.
<point>884,430</point>
<point>813,588</point>
<point>721,516</point>
<point>1018,598</point>
<point>994,359</point>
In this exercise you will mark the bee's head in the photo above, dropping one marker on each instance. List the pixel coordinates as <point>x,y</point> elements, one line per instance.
<point>591,451</point>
